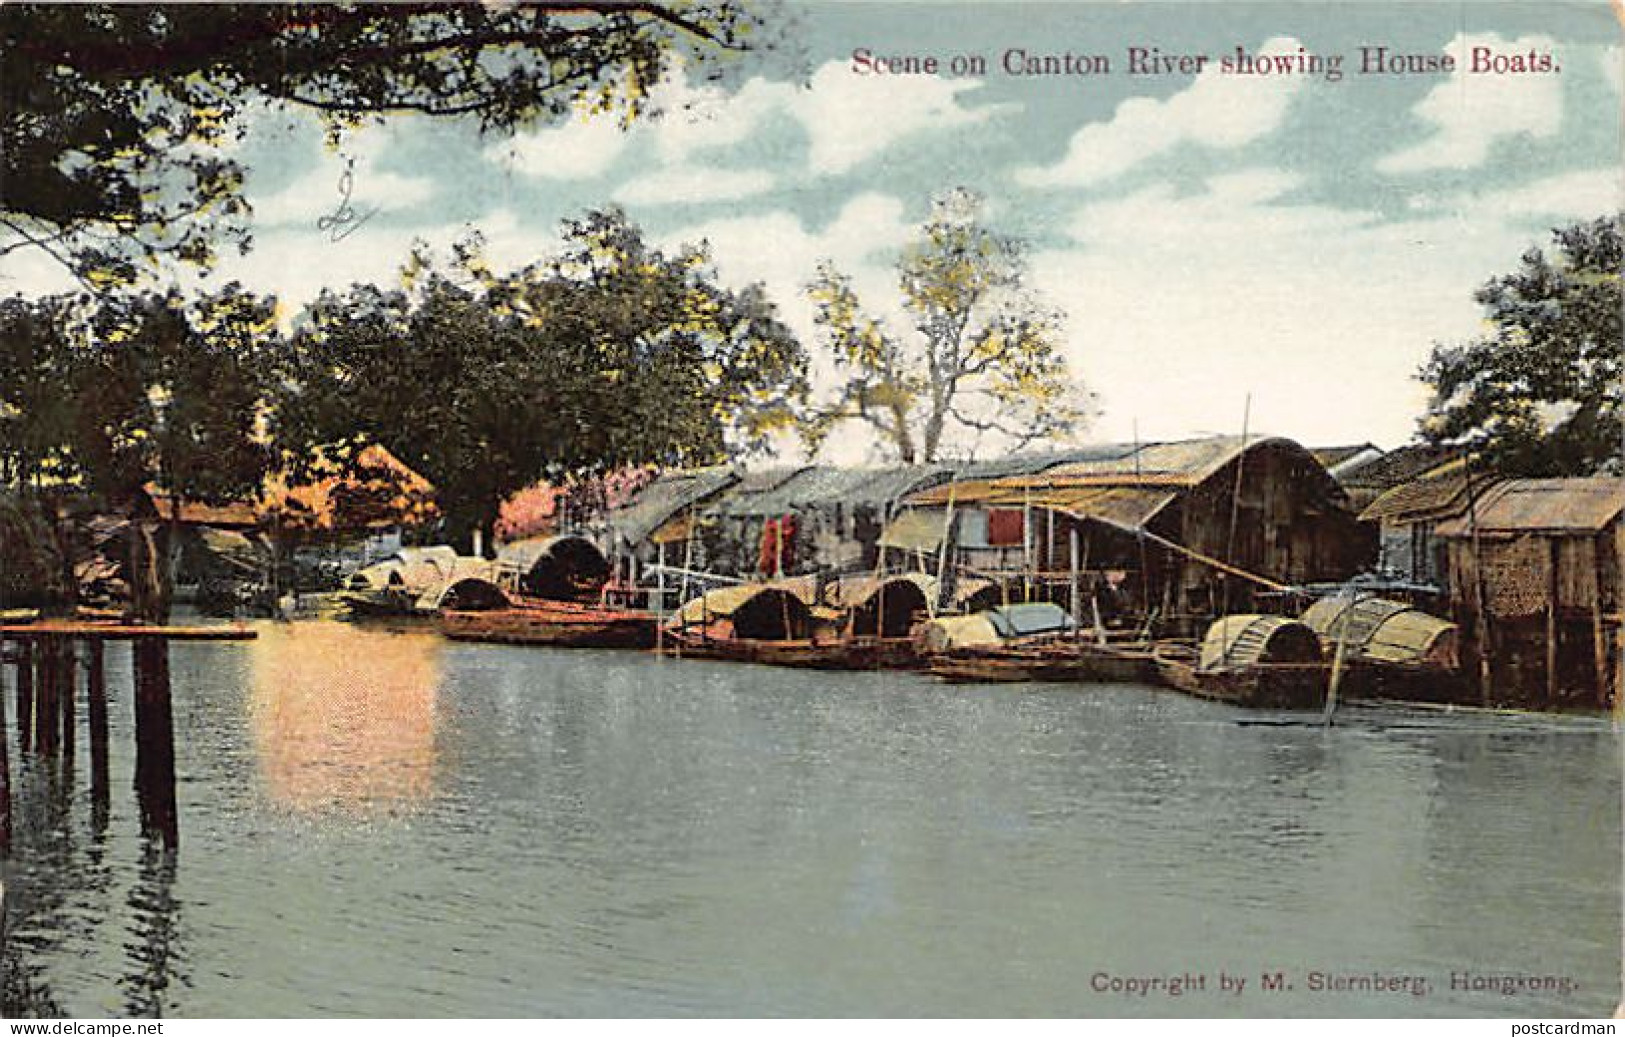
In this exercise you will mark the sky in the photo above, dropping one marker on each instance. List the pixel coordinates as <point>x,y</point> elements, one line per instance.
<point>1277,251</point>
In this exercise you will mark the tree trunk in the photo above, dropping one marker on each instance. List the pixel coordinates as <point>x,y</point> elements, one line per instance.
<point>69,600</point>
<point>150,572</point>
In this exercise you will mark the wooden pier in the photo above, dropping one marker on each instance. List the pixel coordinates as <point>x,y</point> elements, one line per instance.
<point>46,658</point>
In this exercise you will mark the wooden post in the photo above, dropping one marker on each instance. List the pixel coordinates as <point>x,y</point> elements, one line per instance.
<point>1047,555</point>
<point>1599,642</point>
<point>25,695</point>
<point>1551,623</point>
<point>68,675</point>
<point>155,741</point>
<point>1026,543</point>
<point>96,692</point>
<point>46,709</point>
<point>5,790</point>
<point>1074,603</point>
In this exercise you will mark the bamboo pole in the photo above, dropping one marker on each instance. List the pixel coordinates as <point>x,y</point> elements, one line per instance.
<point>1235,500</point>
<point>1215,563</point>
<point>942,553</point>
<point>1336,680</point>
<point>1484,633</point>
<point>1139,529</point>
<point>1047,556</point>
<point>1026,543</point>
<point>5,786</point>
<point>1074,603</point>
<point>1599,644</point>
<point>1551,622</point>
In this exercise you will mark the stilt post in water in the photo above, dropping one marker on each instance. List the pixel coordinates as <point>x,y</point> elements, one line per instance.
<point>25,695</point>
<point>155,741</point>
<point>5,779</point>
<point>96,694</point>
<point>68,677</point>
<point>46,707</point>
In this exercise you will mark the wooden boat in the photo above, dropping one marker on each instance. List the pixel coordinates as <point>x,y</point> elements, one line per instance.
<point>1255,685</point>
<point>1392,649</point>
<point>850,653</point>
<point>1054,659</point>
<point>536,621</point>
<point>1250,660</point>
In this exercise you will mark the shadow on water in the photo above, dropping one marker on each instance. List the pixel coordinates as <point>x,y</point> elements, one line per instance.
<point>64,873</point>
<point>154,954</point>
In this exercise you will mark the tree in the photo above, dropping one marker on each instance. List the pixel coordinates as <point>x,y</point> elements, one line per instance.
<point>121,394</point>
<point>614,354</point>
<point>112,116</point>
<point>985,356</point>
<point>1540,394</point>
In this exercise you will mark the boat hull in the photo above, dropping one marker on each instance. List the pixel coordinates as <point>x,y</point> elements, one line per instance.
<point>1058,662</point>
<point>860,653</point>
<point>1256,686</point>
<point>560,624</point>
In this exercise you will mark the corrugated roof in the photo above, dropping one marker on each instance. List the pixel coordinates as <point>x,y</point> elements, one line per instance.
<point>807,487</point>
<point>1127,507</point>
<point>1400,465</point>
<point>1155,472</point>
<point>1031,464</point>
<point>1440,494</point>
<point>1572,506</point>
<point>667,496</point>
<point>959,492</point>
<point>1332,456</point>
<point>887,485</point>
<point>742,497</point>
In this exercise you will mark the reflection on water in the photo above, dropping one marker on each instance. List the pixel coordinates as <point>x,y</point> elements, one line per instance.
<point>381,824</point>
<point>344,717</point>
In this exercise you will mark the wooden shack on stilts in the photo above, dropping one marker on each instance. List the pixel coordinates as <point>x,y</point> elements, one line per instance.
<point>1177,531</point>
<point>1535,582</point>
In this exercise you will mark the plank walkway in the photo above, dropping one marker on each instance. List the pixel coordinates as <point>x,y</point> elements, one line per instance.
<point>104,631</point>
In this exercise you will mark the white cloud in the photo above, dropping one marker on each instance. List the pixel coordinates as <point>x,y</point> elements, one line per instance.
<point>693,184</point>
<point>1217,111</point>
<point>842,113</point>
<point>1584,194</point>
<point>352,168</point>
<point>1321,313</point>
<point>1468,113</point>
<point>583,148</point>
<point>836,111</point>
<point>695,119</point>
<point>320,193</point>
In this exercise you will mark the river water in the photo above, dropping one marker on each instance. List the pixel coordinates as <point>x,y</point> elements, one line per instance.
<point>380,823</point>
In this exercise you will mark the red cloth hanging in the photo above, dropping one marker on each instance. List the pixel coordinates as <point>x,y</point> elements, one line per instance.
<point>777,554</point>
<point>1005,527</point>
